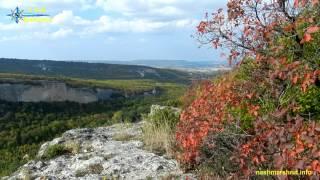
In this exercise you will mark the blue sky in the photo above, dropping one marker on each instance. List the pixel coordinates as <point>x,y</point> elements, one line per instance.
<point>108,30</point>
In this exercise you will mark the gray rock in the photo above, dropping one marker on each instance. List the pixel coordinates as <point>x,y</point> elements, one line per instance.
<point>98,156</point>
<point>57,91</point>
<point>155,108</point>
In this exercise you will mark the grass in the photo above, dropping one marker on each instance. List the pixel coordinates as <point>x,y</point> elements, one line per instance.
<point>158,130</point>
<point>206,173</point>
<point>95,169</point>
<point>158,139</point>
<point>26,175</point>
<point>73,147</point>
<point>92,169</point>
<point>122,137</point>
<point>81,173</point>
<point>55,151</point>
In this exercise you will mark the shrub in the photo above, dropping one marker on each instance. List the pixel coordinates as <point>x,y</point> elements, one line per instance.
<point>163,116</point>
<point>158,130</point>
<point>276,145</point>
<point>55,150</point>
<point>276,44</point>
<point>217,151</point>
<point>253,110</point>
<point>118,117</point>
<point>209,112</point>
<point>244,117</point>
<point>310,103</point>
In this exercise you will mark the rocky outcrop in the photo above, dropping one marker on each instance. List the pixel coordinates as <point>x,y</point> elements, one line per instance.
<point>113,152</point>
<point>155,108</point>
<point>54,91</point>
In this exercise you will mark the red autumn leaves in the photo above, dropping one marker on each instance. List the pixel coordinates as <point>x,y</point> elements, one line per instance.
<point>202,27</point>
<point>302,3</point>
<point>287,146</point>
<point>208,112</point>
<point>270,34</point>
<point>308,34</point>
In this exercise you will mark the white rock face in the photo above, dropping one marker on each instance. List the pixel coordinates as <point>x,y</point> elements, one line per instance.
<point>50,91</point>
<point>102,153</point>
<point>57,91</point>
<point>54,91</point>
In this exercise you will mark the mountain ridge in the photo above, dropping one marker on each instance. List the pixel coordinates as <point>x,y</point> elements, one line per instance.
<point>85,70</point>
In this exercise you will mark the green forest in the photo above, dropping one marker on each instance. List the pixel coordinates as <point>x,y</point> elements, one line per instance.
<point>25,126</point>
<point>82,70</point>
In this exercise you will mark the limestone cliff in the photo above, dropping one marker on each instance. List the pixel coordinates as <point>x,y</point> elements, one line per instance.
<point>55,91</point>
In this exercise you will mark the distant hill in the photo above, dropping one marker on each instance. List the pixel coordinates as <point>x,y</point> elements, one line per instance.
<point>99,71</point>
<point>174,64</point>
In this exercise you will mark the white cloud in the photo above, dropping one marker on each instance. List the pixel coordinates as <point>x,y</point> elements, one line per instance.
<point>159,8</point>
<point>111,24</point>
<point>121,16</point>
<point>14,38</point>
<point>66,23</point>
<point>61,33</point>
<point>10,4</point>
<point>142,40</point>
<point>110,38</point>
<point>152,9</point>
<point>108,24</point>
<point>8,27</point>
<point>63,17</point>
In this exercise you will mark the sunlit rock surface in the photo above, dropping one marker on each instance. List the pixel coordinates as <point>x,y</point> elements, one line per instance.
<point>55,91</point>
<point>107,152</point>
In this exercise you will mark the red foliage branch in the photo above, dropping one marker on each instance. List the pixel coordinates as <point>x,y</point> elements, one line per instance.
<point>207,114</point>
<point>254,28</point>
<point>289,146</point>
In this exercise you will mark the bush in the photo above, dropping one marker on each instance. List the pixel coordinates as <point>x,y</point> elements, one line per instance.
<point>118,117</point>
<point>158,130</point>
<point>310,103</point>
<point>273,94</point>
<point>230,100</point>
<point>206,113</point>
<point>163,116</point>
<point>55,151</point>
<point>217,150</point>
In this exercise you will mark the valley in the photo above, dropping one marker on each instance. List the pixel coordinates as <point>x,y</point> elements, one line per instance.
<point>37,106</point>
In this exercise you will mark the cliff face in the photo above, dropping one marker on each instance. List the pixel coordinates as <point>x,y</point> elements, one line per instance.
<point>53,91</point>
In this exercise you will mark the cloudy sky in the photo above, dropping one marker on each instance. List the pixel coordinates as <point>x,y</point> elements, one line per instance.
<point>107,30</point>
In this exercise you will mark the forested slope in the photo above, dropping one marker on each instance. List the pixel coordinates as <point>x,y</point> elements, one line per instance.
<point>99,71</point>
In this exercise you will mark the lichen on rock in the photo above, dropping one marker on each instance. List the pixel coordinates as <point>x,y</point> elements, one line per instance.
<point>94,154</point>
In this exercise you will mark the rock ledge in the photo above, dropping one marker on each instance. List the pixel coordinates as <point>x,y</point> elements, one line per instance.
<point>113,152</point>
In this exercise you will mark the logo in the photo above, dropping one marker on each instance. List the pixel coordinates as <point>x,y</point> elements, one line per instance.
<point>18,15</point>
